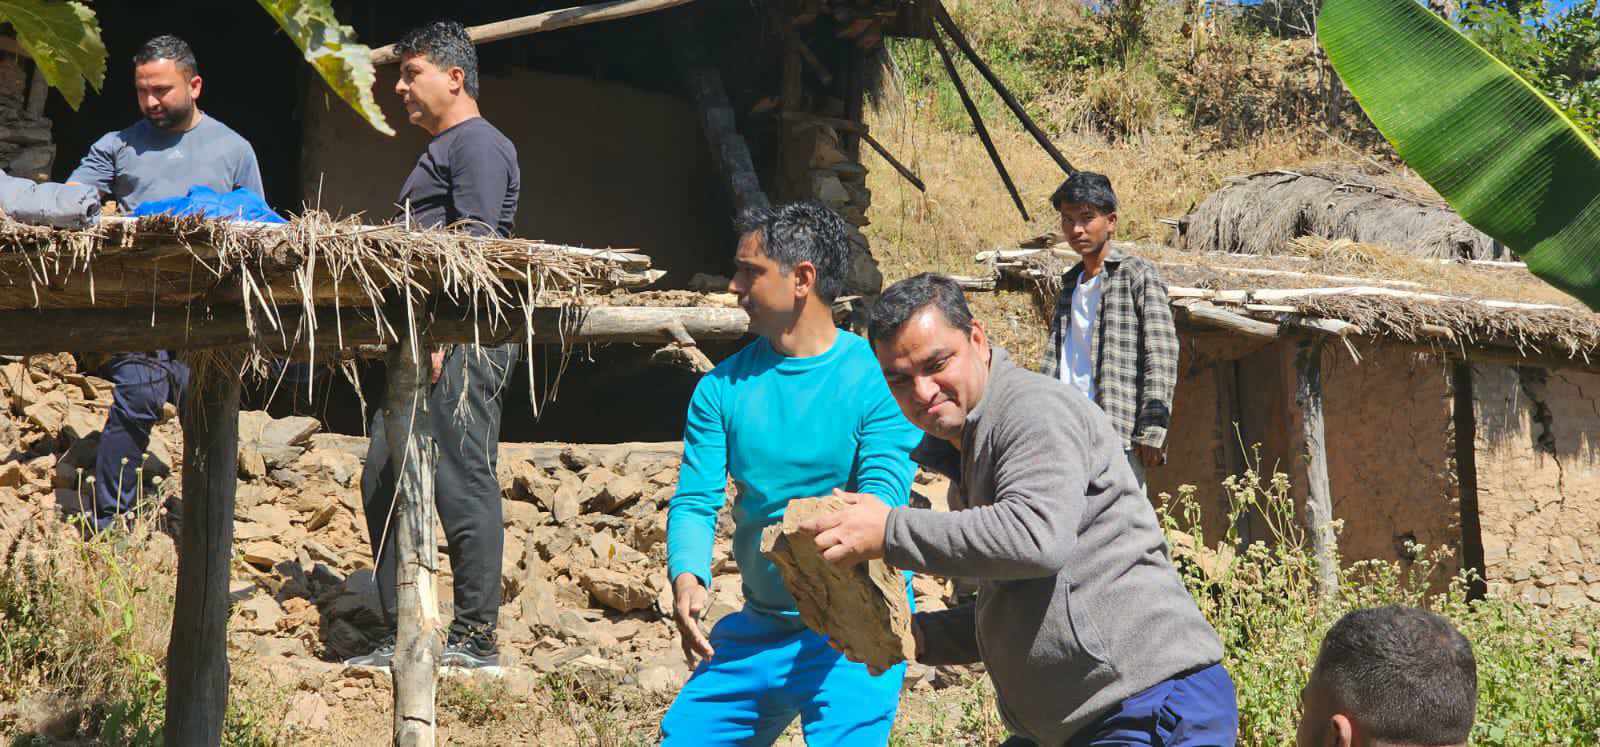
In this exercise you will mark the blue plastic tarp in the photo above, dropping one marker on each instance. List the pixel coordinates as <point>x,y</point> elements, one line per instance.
<point>240,204</point>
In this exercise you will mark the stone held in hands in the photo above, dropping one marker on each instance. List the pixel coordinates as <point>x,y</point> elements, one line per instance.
<point>863,607</point>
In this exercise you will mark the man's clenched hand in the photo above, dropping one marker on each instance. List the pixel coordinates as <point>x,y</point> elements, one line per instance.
<point>689,604</point>
<point>854,534</point>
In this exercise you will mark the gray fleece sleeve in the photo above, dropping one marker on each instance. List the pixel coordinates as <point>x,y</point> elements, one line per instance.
<point>1040,453</point>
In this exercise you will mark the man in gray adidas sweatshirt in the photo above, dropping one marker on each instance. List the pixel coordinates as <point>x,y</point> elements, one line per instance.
<point>1081,620</point>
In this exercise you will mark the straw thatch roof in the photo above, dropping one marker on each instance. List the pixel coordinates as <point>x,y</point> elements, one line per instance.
<point>166,268</point>
<point>1261,213</point>
<point>1348,290</point>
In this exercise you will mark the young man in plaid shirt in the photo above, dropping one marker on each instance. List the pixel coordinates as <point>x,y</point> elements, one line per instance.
<point>1112,337</point>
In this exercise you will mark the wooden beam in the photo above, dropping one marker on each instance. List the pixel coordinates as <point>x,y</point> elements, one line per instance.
<point>943,17</point>
<point>197,651</point>
<point>728,148</point>
<point>1319,497</point>
<point>109,330</point>
<point>581,15</point>
<point>1207,315</point>
<point>419,640</point>
<point>887,156</point>
<point>977,123</point>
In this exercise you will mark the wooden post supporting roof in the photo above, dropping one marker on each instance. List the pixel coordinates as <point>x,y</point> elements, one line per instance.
<point>1319,497</point>
<point>419,641</point>
<point>197,652</point>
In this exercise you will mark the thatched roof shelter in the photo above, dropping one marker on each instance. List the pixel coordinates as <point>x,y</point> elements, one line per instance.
<point>315,286</point>
<point>1261,213</point>
<point>1465,308</point>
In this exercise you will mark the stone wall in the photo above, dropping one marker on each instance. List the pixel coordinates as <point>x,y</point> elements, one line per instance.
<point>26,149</point>
<point>1538,483</point>
<point>817,165</point>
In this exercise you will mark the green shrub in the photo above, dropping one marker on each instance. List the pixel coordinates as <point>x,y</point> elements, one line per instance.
<point>1538,671</point>
<point>87,625</point>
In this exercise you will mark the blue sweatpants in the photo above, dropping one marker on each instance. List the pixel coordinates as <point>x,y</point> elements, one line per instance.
<point>143,384</point>
<point>1199,709</point>
<point>763,674</point>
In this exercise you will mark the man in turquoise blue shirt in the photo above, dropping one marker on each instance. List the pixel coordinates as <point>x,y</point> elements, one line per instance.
<point>798,413</point>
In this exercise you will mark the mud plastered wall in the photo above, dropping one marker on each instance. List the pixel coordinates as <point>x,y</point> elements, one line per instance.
<point>1387,427</point>
<point>1539,483</point>
<point>603,165</point>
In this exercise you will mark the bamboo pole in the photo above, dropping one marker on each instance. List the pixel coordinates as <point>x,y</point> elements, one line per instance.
<point>581,15</point>
<point>419,636</point>
<point>907,173</point>
<point>197,651</point>
<point>943,17</point>
<point>977,121</point>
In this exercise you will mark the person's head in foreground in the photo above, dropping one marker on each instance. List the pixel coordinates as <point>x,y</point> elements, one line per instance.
<point>1088,209</point>
<point>166,79</point>
<point>789,265</point>
<point>1390,677</point>
<point>934,355</point>
<point>438,75</point>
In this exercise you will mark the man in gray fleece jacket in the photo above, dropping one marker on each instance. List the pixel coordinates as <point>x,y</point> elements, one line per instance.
<point>1081,620</point>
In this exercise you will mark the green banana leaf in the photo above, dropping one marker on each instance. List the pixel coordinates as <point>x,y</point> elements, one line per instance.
<point>332,49</point>
<point>64,41</point>
<point>1504,156</point>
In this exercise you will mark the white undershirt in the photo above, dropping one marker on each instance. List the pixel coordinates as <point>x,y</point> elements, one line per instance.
<point>1077,362</point>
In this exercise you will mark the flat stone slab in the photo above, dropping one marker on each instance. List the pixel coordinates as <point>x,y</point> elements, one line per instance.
<point>863,607</point>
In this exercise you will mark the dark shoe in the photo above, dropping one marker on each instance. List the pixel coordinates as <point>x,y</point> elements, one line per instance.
<point>471,651</point>
<point>379,658</point>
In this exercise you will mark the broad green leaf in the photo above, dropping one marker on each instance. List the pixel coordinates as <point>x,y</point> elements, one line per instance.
<point>1504,156</point>
<point>332,49</point>
<point>63,38</point>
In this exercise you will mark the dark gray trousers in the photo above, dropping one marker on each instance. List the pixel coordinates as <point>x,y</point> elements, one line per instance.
<point>464,410</point>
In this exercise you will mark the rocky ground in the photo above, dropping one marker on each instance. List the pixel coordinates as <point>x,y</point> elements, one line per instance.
<point>585,587</point>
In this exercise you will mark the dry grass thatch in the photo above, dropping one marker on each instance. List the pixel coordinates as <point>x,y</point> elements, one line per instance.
<point>314,260</point>
<point>1373,289</point>
<point>183,265</point>
<point>1261,213</point>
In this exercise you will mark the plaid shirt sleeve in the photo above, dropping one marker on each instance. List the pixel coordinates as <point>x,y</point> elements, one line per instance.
<point>1158,363</point>
<point>1058,324</point>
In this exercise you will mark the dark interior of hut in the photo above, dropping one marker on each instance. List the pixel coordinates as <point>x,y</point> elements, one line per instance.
<point>256,83</point>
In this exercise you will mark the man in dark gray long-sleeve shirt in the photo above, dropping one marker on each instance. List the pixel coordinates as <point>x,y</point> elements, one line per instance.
<point>1084,625</point>
<point>468,177</point>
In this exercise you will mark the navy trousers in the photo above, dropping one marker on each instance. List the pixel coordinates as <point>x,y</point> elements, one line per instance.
<point>144,382</point>
<point>1200,709</point>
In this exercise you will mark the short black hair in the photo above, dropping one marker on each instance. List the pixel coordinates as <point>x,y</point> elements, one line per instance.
<point>903,300</point>
<point>805,231</point>
<point>1086,188</point>
<point>1405,675</point>
<point>445,44</point>
<point>168,47</point>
